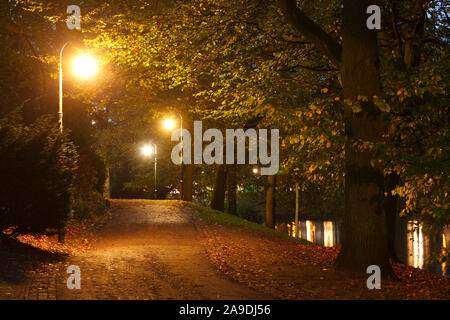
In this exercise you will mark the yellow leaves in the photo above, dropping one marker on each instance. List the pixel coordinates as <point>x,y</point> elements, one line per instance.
<point>402,92</point>
<point>322,139</point>
<point>312,168</point>
<point>328,144</point>
<point>324,90</point>
<point>294,139</point>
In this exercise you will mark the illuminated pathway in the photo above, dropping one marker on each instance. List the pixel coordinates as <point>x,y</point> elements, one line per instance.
<point>148,250</point>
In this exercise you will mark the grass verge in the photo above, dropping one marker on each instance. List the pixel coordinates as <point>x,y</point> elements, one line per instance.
<point>211,216</point>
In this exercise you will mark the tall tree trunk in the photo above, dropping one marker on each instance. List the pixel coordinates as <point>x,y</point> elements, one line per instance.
<point>391,206</point>
<point>188,182</point>
<point>270,201</point>
<point>107,187</point>
<point>188,169</point>
<point>364,236</point>
<point>231,189</point>
<point>220,186</point>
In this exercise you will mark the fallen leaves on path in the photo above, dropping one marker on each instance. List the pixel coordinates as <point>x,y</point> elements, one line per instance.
<point>79,237</point>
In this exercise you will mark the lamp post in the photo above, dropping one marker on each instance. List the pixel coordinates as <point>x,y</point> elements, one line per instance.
<point>181,159</point>
<point>156,152</point>
<point>147,151</point>
<point>84,66</point>
<point>170,124</point>
<point>60,113</point>
<point>297,199</point>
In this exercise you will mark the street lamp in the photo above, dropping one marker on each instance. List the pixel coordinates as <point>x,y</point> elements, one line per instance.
<point>147,151</point>
<point>169,124</point>
<point>84,67</point>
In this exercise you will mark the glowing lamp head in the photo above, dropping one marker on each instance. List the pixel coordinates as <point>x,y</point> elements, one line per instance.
<point>147,151</point>
<point>85,66</point>
<point>255,170</point>
<point>169,124</point>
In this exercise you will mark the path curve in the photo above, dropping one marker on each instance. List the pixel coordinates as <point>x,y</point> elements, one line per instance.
<point>150,249</point>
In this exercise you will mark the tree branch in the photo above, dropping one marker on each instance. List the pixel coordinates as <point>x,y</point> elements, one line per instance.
<point>318,69</point>
<point>311,31</point>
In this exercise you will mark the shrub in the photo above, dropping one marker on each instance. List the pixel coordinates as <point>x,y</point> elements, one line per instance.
<point>36,174</point>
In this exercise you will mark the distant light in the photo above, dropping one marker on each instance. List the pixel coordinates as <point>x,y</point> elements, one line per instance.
<point>147,151</point>
<point>255,170</point>
<point>93,122</point>
<point>169,124</point>
<point>85,66</point>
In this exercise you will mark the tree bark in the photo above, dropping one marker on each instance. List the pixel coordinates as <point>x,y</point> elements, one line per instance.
<point>270,201</point>
<point>231,189</point>
<point>188,182</point>
<point>391,208</point>
<point>220,186</point>
<point>188,169</point>
<point>365,238</point>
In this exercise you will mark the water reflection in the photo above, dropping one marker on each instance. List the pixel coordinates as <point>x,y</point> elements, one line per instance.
<point>324,233</point>
<point>414,246</point>
<point>328,234</point>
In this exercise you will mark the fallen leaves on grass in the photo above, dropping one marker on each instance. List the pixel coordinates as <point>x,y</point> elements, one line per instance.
<point>288,270</point>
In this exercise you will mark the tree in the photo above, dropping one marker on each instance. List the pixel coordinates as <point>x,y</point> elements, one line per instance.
<point>270,202</point>
<point>231,189</point>
<point>220,184</point>
<point>364,229</point>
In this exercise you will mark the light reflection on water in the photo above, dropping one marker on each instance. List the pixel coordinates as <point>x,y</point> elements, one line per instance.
<point>324,233</point>
<point>415,245</point>
<point>415,249</point>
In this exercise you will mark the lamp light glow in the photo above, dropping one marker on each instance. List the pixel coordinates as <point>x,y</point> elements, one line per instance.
<point>85,66</point>
<point>169,124</point>
<point>147,151</point>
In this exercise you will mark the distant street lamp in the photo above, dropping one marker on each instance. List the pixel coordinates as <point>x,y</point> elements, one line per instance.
<point>169,124</point>
<point>84,66</point>
<point>148,151</point>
